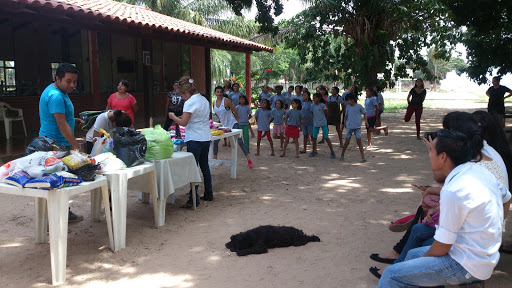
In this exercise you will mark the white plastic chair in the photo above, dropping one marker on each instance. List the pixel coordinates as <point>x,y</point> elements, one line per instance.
<point>7,118</point>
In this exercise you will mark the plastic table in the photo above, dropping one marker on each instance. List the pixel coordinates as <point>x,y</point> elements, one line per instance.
<point>233,136</point>
<point>51,208</point>
<point>118,182</point>
<point>179,170</point>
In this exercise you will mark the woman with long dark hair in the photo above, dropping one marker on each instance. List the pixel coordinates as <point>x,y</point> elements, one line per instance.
<point>415,104</point>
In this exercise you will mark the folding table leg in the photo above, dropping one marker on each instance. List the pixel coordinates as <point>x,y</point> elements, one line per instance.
<point>41,220</point>
<point>58,205</point>
<point>96,204</point>
<point>193,188</point>
<point>158,204</point>
<point>108,218</point>
<point>118,188</point>
<point>234,154</point>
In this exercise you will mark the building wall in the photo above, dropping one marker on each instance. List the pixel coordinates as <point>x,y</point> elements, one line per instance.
<point>55,43</point>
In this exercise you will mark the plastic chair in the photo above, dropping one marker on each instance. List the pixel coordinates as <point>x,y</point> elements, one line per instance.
<point>7,118</point>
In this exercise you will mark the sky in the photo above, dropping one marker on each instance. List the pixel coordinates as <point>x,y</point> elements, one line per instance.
<point>291,8</point>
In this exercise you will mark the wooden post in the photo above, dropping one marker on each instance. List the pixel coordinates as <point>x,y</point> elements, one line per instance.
<point>248,77</point>
<point>94,69</point>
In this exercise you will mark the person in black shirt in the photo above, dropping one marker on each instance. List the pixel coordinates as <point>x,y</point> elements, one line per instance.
<point>415,100</point>
<point>496,94</point>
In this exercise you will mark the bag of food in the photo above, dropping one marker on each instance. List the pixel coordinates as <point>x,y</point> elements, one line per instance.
<point>35,164</point>
<point>87,172</point>
<point>45,144</point>
<point>68,179</point>
<point>75,160</point>
<point>159,143</point>
<point>47,182</point>
<point>129,146</point>
<point>18,178</point>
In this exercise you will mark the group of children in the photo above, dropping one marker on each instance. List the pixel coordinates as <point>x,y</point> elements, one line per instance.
<point>294,111</point>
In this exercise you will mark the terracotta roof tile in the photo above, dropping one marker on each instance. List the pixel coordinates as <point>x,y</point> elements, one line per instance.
<point>141,16</point>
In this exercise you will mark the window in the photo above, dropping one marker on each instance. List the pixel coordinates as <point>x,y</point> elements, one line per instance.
<point>7,78</point>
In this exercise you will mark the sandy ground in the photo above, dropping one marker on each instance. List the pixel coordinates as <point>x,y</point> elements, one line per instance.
<point>347,204</point>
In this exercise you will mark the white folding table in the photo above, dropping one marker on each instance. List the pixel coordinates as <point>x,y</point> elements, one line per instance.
<point>233,136</point>
<point>118,182</point>
<point>51,208</point>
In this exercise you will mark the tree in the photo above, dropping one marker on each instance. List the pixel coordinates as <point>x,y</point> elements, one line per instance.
<point>371,32</point>
<point>439,67</point>
<point>488,35</point>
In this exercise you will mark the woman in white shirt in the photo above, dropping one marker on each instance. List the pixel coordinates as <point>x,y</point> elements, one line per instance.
<point>106,121</point>
<point>195,118</point>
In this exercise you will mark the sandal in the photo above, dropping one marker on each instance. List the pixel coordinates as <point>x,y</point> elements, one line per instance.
<point>376,257</point>
<point>375,272</point>
<point>302,152</point>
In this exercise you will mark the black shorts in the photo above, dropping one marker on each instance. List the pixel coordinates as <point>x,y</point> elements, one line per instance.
<point>371,122</point>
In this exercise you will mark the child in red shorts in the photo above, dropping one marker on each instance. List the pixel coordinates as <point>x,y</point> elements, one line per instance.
<point>263,118</point>
<point>293,121</point>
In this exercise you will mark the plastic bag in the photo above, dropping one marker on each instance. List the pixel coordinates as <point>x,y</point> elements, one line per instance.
<point>45,144</point>
<point>159,143</point>
<point>18,178</point>
<point>109,162</point>
<point>69,179</point>
<point>129,146</point>
<point>75,160</point>
<point>87,172</point>
<point>103,144</point>
<point>52,181</point>
<point>36,164</point>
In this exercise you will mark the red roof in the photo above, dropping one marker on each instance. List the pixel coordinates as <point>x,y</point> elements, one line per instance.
<point>143,17</point>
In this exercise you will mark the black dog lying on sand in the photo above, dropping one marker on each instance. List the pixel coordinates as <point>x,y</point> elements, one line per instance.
<point>259,239</point>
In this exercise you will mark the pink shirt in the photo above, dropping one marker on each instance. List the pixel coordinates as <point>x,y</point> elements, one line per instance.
<point>124,104</point>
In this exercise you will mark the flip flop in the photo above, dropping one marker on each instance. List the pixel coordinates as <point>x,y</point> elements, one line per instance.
<point>375,272</point>
<point>376,257</point>
<point>302,152</point>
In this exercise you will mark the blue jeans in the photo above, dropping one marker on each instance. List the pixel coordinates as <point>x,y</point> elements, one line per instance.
<point>200,149</point>
<point>421,235</point>
<point>417,271</point>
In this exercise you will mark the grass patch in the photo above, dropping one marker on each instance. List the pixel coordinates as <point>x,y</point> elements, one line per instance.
<point>396,105</point>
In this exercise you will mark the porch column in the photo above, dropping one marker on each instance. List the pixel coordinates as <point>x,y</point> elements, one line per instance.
<point>248,76</point>
<point>94,69</point>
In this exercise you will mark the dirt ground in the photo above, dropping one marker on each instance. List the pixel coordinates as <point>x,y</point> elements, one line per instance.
<point>347,204</point>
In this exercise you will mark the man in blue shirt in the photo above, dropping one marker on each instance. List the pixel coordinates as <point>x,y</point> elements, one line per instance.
<point>57,114</point>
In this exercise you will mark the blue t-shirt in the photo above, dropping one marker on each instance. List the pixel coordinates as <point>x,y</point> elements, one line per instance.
<point>295,96</point>
<point>380,100</point>
<point>263,119</point>
<point>273,99</point>
<point>235,97</point>
<point>54,101</point>
<point>243,114</point>
<point>287,98</point>
<point>307,113</point>
<point>319,119</point>
<point>265,96</point>
<point>369,106</point>
<point>294,117</point>
<point>353,114</point>
<point>278,115</point>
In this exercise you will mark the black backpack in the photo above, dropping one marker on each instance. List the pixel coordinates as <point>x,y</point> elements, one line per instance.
<point>89,117</point>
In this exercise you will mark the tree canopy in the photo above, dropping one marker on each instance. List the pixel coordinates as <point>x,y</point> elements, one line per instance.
<point>376,33</point>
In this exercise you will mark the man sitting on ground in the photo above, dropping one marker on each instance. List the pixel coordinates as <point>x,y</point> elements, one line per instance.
<point>473,206</point>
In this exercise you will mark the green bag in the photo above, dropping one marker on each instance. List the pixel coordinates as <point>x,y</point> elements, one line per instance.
<point>159,143</point>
